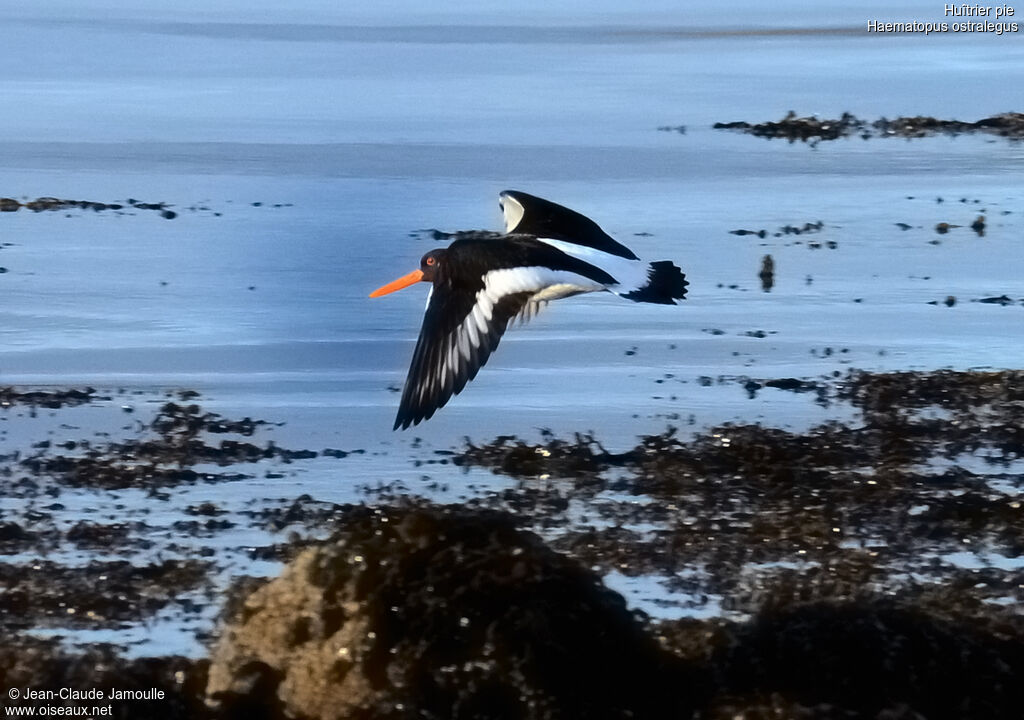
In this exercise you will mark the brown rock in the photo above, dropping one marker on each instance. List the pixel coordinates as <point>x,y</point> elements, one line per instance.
<point>441,612</point>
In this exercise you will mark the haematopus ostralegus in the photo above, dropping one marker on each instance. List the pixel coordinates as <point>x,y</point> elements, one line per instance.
<point>483,280</point>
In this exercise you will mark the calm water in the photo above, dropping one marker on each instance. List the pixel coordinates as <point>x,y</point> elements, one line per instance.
<point>303,147</point>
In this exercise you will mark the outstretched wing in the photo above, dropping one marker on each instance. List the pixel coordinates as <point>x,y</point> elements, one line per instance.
<point>461,329</point>
<point>529,214</point>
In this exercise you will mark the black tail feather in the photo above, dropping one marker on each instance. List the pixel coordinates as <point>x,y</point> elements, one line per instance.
<point>665,285</point>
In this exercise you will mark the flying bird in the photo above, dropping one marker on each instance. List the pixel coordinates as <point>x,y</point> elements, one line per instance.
<point>483,280</point>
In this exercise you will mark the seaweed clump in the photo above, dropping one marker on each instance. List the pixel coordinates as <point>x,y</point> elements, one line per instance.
<point>813,130</point>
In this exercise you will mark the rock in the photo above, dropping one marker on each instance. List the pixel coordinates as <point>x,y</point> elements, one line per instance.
<point>978,225</point>
<point>441,612</point>
<point>999,300</point>
<point>767,273</point>
<point>867,660</point>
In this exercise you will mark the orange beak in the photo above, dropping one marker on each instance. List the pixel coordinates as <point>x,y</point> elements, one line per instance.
<point>403,282</point>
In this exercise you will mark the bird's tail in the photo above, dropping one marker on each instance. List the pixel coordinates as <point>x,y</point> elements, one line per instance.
<point>666,283</point>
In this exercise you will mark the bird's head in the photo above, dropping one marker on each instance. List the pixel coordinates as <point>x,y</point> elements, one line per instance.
<point>430,264</point>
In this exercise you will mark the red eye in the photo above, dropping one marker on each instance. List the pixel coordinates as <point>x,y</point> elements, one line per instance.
<point>430,261</point>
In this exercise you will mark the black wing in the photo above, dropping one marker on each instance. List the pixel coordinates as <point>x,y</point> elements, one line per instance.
<point>544,218</point>
<point>455,341</point>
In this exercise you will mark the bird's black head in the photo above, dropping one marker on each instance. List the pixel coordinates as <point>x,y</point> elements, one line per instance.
<point>432,263</point>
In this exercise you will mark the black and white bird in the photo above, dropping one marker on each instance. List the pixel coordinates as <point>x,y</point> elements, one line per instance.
<point>484,280</point>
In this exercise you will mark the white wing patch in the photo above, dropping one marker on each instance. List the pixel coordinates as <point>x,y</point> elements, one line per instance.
<point>512,210</point>
<point>474,330</point>
<point>546,285</point>
<point>630,274</point>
